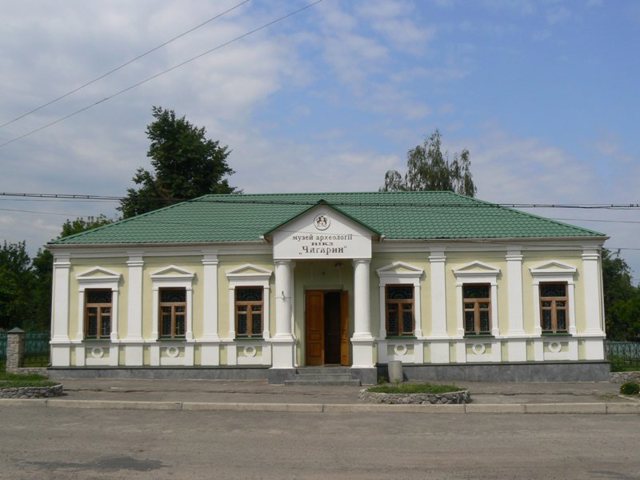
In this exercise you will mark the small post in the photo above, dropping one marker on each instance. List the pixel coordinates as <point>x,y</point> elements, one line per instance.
<point>15,349</point>
<point>395,371</point>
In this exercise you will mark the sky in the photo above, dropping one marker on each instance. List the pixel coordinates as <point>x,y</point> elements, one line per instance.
<point>544,95</point>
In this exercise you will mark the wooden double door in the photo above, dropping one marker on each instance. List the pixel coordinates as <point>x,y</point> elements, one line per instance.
<point>327,327</point>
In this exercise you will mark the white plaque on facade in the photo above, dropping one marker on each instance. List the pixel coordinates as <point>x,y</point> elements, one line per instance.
<point>321,233</point>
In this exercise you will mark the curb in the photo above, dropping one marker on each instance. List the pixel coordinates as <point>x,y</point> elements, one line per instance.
<point>508,408</point>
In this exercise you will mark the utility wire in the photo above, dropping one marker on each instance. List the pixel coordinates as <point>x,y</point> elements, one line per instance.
<point>41,213</point>
<point>250,199</point>
<point>163,72</point>
<point>120,67</point>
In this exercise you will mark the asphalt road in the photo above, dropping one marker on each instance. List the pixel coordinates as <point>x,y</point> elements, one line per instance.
<point>46,443</point>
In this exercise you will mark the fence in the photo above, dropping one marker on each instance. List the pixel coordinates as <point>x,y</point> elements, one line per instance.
<point>34,353</point>
<point>36,349</point>
<point>3,349</point>
<point>624,356</point>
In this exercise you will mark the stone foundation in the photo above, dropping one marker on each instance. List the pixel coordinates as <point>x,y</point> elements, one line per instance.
<point>449,398</point>
<point>31,392</point>
<point>623,377</point>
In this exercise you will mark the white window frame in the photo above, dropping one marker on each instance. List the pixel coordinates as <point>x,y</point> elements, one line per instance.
<point>554,272</point>
<point>477,273</point>
<point>103,279</point>
<point>172,277</point>
<point>400,273</point>
<point>249,275</point>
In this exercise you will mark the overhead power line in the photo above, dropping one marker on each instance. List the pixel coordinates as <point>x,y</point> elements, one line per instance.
<point>163,72</point>
<point>250,199</point>
<point>121,66</point>
<point>61,196</point>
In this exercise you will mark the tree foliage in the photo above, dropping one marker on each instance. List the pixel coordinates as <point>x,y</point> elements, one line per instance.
<point>429,168</point>
<point>621,299</point>
<point>16,284</point>
<point>79,225</point>
<point>186,165</point>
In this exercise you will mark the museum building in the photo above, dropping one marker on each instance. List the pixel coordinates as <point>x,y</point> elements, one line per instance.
<point>261,286</point>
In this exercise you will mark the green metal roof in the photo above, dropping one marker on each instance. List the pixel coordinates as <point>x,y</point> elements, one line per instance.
<point>396,215</point>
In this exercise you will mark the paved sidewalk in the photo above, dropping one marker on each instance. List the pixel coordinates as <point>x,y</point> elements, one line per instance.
<point>579,397</point>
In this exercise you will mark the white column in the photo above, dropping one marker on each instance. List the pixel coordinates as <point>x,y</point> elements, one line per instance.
<point>283,341</point>
<point>362,340</point>
<point>439,349</point>
<point>134,341</point>
<point>516,348</point>
<point>60,350</point>
<point>591,281</point>
<point>210,352</point>
<point>362,301</point>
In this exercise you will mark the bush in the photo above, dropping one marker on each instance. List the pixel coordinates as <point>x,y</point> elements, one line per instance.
<point>415,388</point>
<point>630,388</point>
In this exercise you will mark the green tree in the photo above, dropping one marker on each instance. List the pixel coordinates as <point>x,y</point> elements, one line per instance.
<point>186,165</point>
<point>79,225</point>
<point>621,299</point>
<point>16,284</point>
<point>429,168</point>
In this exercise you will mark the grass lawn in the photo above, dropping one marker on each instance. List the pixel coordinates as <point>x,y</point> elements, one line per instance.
<point>14,380</point>
<point>414,388</point>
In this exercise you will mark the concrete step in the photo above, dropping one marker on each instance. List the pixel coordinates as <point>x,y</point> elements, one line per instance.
<point>323,370</point>
<point>322,381</point>
<point>323,376</point>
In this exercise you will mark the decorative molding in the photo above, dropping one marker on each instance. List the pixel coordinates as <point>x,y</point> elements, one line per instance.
<point>398,270</point>
<point>98,274</point>
<point>248,273</point>
<point>172,273</point>
<point>476,269</point>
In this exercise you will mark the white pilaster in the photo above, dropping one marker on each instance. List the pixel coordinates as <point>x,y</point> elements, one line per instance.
<point>210,298</point>
<point>495,321</point>
<point>115,303</point>
<point>437,260</point>
<point>514,293</point>
<point>516,348</point>
<point>283,340</point>
<point>592,299</point>
<point>133,341</point>
<point>60,352</point>
<point>210,352</point>
<point>188,334</point>
<point>362,340</point>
